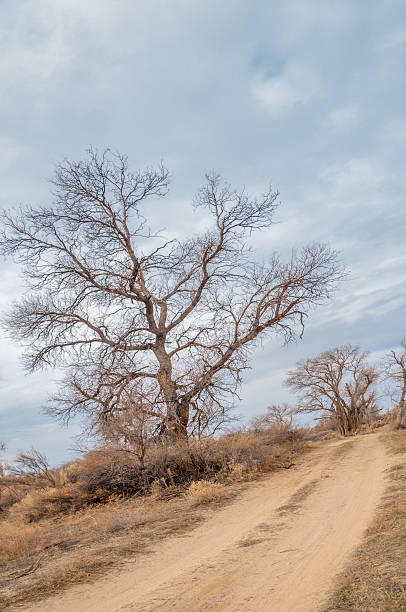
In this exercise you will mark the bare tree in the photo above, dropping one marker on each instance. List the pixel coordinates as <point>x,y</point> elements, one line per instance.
<point>130,429</point>
<point>337,382</point>
<point>132,315</point>
<point>395,372</point>
<point>280,415</point>
<point>32,466</point>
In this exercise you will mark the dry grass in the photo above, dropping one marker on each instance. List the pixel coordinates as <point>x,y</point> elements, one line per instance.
<point>75,547</point>
<point>296,501</point>
<point>44,503</point>
<point>251,541</point>
<point>17,539</point>
<point>205,492</point>
<point>109,473</point>
<point>59,535</point>
<point>376,578</point>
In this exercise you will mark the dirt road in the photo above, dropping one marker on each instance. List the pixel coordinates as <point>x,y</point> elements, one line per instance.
<point>276,548</point>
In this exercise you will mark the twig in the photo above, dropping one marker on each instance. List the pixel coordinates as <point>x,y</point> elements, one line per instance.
<point>34,566</point>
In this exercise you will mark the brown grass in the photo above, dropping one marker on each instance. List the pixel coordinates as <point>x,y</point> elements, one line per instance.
<point>17,539</point>
<point>205,492</point>
<point>251,541</point>
<point>44,503</point>
<point>83,544</point>
<point>109,473</point>
<point>376,577</point>
<point>295,503</point>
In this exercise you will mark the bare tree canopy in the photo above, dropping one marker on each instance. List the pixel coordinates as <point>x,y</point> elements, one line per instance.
<point>134,318</point>
<point>279,415</point>
<point>32,466</point>
<point>337,382</point>
<point>395,372</point>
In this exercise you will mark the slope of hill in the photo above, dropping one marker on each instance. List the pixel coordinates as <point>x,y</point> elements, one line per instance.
<point>279,546</point>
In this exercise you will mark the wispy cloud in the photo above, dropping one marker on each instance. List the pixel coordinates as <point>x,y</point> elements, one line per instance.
<point>279,94</point>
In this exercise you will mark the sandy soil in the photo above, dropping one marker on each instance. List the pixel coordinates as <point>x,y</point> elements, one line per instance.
<point>276,548</point>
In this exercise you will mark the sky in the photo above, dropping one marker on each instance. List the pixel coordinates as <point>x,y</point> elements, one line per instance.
<point>306,94</point>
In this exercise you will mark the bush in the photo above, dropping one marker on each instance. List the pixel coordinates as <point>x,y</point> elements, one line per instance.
<point>45,503</point>
<point>205,492</point>
<point>109,472</point>
<point>17,539</point>
<point>119,473</point>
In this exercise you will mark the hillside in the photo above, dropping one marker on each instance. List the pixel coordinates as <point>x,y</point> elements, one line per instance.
<point>293,527</point>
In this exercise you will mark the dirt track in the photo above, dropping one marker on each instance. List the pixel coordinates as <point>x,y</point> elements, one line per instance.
<point>276,548</point>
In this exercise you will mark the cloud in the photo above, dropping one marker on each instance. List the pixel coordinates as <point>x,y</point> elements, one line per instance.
<point>396,38</point>
<point>309,95</point>
<point>343,118</point>
<point>280,94</point>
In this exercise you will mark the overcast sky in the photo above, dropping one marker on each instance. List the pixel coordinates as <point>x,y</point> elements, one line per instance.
<point>309,95</point>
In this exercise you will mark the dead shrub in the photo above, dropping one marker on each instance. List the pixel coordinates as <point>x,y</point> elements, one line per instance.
<point>122,475</point>
<point>314,435</point>
<point>66,475</point>
<point>113,472</point>
<point>237,471</point>
<point>17,539</point>
<point>110,473</point>
<point>12,494</point>
<point>205,492</point>
<point>45,503</point>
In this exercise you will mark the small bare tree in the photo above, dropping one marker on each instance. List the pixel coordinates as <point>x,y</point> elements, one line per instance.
<point>130,430</point>
<point>130,314</point>
<point>337,382</point>
<point>395,372</point>
<point>32,467</point>
<point>280,415</point>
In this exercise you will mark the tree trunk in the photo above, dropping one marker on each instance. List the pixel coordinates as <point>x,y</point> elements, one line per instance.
<point>343,422</point>
<point>178,429</point>
<point>178,421</point>
<point>401,415</point>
